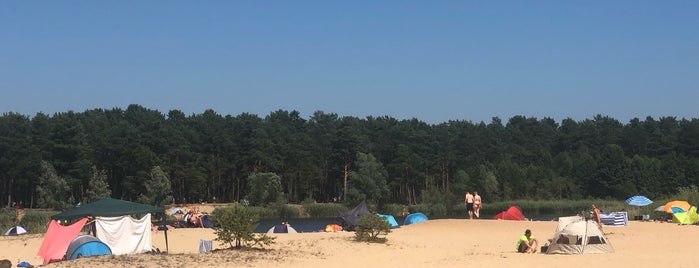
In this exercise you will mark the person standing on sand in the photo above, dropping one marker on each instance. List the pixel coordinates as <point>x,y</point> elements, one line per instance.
<point>477,204</point>
<point>595,216</point>
<point>469,204</point>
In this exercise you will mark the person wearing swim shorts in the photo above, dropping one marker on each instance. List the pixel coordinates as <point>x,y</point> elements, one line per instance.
<point>469,204</point>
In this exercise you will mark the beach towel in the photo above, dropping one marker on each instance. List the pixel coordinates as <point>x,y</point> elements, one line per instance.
<point>205,246</point>
<point>57,239</point>
<point>125,235</point>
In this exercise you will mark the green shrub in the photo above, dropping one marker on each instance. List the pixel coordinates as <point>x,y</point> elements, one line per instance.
<point>689,194</point>
<point>236,224</point>
<point>264,212</point>
<point>324,210</point>
<point>438,210</point>
<point>37,221</point>
<point>287,212</point>
<point>7,219</point>
<point>371,227</point>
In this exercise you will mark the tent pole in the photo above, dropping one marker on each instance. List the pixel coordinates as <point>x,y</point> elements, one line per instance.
<point>167,247</point>
<point>164,229</point>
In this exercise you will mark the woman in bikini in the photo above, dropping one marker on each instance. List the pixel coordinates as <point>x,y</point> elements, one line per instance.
<point>477,204</point>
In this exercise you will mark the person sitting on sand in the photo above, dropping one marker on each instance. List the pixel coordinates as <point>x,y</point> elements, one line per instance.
<point>527,243</point>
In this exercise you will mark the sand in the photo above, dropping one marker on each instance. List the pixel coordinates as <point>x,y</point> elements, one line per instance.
<point>435,243</point>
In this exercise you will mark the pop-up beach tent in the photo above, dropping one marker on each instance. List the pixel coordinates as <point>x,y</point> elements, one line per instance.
<point>511,214</point>
<point>86,246</point>
<point>282,228</point>
<point>688,217</point>
<point>414,218</point>
<point>576,235</point>
<point>390,219</point>
<point>16,230</point>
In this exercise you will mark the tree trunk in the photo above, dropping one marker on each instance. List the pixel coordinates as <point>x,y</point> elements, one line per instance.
<point>346,177</point>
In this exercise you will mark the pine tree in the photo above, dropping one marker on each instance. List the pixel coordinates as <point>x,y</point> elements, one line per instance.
<point>158,191</point>
<point>53,191</point>
<point>97,187</point>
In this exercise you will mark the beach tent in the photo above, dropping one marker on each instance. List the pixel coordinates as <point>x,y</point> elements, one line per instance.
<point>390,219</point>
<point>281,229</point>
<point>351,217</point>
<point>16,230</point>
<point>333,228</point>
<point>414,218</point>
<point>575,235</point>
<point>683,205</point>
<point>620,218</point>
<point>107,207</point>
<point>85,246</point>
<point>512,214</point>
<point>689,217</point>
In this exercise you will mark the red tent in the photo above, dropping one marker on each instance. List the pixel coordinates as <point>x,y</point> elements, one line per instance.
<point>513,214</point>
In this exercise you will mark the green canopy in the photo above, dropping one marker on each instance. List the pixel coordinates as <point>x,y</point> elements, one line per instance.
<point>107,207</point>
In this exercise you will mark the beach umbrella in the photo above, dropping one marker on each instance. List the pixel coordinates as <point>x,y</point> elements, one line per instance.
<point>684,205</point>
<point>639,201</point>
<point>16,230</point>
<point>660,208</point>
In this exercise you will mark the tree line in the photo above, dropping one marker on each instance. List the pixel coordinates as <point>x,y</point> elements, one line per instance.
<point>211,157</point>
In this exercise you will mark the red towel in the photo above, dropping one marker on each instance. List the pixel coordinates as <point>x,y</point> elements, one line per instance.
<point>57,239</point>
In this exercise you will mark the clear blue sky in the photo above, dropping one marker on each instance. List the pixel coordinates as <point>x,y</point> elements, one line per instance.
<point>431,60</point>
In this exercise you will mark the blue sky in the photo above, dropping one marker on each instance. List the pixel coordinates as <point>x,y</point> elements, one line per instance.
<point>431,60</point>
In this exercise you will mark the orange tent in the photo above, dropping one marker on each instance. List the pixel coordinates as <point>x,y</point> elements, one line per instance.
<point>333,228</point>
<point>684,205</point>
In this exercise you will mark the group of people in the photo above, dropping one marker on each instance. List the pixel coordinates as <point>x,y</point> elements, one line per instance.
<point>473,204</point>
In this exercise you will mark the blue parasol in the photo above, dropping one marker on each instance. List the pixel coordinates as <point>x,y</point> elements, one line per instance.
<point>639,201</point>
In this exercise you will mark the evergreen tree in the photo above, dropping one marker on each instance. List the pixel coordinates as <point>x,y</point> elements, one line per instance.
<point>97,187</point>
<point>53,191</point>
<point>368,182</point>
<point>235,224</point>
<point>158,191</point>
<point>265,188</point>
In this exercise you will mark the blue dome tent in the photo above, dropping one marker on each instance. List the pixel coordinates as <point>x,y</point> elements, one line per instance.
<point>390,219</point>
<point>85,246</point>
<point>414,218</point>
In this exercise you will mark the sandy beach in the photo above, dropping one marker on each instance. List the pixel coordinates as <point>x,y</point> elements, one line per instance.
<point>435,243</point>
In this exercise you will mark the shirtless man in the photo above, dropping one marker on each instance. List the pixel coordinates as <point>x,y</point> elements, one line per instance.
<point>477,204</point>
<point>469,204</point>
